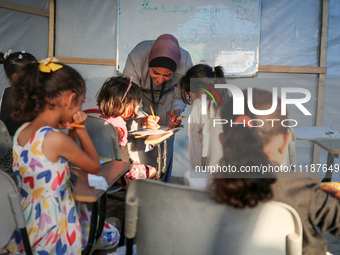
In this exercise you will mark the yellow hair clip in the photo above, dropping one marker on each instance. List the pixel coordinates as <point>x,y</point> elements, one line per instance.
<point>48,65</point>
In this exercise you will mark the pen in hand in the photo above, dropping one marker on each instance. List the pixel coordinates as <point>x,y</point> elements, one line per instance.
<point>73,125</point>
<point>175,118</point>
<point>180,118</point>
<point>153,114</point>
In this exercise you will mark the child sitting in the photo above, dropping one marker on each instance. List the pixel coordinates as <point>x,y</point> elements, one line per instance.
<point>118,100</point>
<point>248,143</point>
<point>53,93</point>
<point>12,62</point>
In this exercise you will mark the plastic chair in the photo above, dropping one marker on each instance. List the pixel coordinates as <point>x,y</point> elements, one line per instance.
<point>173,219</point>
<point>104,137</point>
<point>12,215</point>
<point>6,155</point>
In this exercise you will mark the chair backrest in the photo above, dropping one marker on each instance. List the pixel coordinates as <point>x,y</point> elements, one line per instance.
<point>6,155</point>
<point>211,146</point>
<point>104,137</point>
<point>173,219</point>
<point>11,212</point>
<point>6,141</point>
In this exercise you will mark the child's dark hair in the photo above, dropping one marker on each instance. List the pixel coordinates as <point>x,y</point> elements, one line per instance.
<point>111,100</point>
<point>14,61</point>
<point>244,146</point>
<point>33,90</point>
<point>203,74</point>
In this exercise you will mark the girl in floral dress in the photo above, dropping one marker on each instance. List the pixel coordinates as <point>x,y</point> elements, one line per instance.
<point>56,224</point>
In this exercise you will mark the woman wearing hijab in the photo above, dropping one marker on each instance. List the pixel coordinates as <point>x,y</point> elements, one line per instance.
<point>157,67</point>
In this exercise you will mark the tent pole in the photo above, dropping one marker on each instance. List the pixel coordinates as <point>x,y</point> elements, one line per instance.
<point>51,28</point>
<point>322,76</point>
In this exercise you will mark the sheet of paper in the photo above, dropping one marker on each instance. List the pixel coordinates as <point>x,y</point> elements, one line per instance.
<point>159,131</point>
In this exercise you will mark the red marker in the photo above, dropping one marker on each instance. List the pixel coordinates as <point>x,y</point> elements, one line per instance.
<point>175,118</point>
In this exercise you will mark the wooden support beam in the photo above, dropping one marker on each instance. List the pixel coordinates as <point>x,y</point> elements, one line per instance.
<point>87,61</point>
<point>322,77</point>
<point>21,8</point>
<point>292,69</point>
<point>51,28</point>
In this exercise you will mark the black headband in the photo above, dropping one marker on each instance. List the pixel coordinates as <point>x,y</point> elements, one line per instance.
<point>164,62</point>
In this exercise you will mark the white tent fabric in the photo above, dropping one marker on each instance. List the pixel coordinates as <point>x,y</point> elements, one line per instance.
<point>290,35</point>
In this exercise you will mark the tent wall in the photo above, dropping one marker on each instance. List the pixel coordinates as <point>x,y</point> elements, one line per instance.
<point>290,36</point>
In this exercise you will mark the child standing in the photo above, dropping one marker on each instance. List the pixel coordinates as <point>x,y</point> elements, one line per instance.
<point>199,80</point>
<point>119,100</point>
<point>56,224</point>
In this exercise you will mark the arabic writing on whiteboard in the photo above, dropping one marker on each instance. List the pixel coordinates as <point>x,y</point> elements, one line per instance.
<point>214,32</point>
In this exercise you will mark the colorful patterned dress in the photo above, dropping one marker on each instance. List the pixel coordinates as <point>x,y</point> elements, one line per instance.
<point>56,224</point>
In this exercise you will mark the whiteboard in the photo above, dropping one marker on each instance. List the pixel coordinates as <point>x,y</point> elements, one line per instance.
<point>214,32</point>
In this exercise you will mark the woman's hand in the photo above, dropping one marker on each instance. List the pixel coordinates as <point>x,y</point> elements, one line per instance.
<point>173,122</point>
<point>150,122</point>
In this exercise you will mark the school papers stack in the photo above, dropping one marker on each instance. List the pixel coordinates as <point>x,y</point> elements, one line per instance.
<point>146,131</point>
<point>316,133</point>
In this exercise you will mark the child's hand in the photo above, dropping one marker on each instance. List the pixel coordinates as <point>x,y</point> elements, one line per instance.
<point>79,117</point>
<point>151,123</point>
<point>173,122</point>
<point>152,172</point>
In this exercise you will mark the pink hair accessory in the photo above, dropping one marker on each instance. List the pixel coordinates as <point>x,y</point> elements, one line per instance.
<point>244,119</point>
<point>128,88</point>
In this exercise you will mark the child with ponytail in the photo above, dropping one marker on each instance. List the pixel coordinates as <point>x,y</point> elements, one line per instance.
<point>12,62</point>
<point>198,81</point>
<point>53,93</point>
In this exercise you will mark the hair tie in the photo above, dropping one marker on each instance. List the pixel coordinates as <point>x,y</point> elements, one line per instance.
<point>246,120</point>
<point>128,88</point>
<point>48,65</point>
<point>7,53</point>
